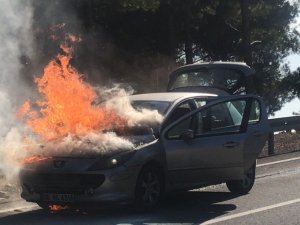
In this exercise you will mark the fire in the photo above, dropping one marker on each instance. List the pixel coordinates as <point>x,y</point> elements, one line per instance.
<point>23,109</point>
<point>32,159</point>
<point>56,208</point>
<point>73,38</point>
<point>65,106</point>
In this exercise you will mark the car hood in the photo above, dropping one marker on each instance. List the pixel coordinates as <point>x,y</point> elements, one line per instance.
<point>130,143</point>
<point>78,161</point>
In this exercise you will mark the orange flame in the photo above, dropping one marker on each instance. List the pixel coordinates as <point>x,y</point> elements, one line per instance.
<point>66,102</point>
<point>56,208</point>
<point>32,159</point>
<point>23,109</point>
<point>73,38</point>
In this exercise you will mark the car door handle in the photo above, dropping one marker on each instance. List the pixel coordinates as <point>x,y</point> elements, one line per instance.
<point>231,144</point>
<point>257,133</point>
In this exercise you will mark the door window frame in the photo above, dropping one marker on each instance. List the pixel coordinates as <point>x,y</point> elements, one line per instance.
<point>190,101</point>
<point>260,112</point>
<point>244,124</point>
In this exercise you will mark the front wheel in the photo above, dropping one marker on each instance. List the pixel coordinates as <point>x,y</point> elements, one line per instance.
<point>242,187</point>
<point>149,188</point>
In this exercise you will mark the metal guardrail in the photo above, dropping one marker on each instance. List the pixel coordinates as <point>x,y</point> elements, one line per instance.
<point>281,124</point>
<point>285,123</point>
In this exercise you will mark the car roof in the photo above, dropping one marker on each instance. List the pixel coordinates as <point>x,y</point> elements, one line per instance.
<point>247,70</point>
<point>168,96</point>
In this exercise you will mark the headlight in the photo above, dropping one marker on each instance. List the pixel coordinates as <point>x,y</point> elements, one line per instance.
<point>112,162</point>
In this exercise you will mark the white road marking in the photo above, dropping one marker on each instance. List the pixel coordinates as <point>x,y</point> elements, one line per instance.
<point>22,208</point>
<point>279,161</point>
<point>237,215</point>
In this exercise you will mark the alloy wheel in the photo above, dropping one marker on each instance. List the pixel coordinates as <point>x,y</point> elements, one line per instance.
<point>150,188</point>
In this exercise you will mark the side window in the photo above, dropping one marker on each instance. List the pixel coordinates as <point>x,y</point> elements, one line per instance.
<point>200,102</point>
<point>180,128</point>
<point>236,110</point>
<point>221,118</point>
<point>177,113</point>
<point>255,112</point>
<point>225,117</point>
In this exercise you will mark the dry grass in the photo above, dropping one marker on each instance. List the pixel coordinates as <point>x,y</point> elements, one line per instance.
<point>283,143</point>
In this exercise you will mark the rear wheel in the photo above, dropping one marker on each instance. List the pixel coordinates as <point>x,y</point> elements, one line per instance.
<point>149,188</point>
<point>243,187</point>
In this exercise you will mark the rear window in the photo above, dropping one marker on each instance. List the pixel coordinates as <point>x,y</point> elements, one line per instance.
<point>225,79</point>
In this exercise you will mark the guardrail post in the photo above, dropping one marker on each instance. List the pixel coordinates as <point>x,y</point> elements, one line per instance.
<point>271,144</point>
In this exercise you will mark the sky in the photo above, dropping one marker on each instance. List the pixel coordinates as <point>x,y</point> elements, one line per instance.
<point>294,105</point>
<point>294,62</point>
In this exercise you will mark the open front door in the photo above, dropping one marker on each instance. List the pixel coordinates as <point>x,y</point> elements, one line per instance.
<point>211,148</point>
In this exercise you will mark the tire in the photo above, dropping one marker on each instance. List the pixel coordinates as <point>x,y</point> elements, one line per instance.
<point>149,188</point>
<point>242,187</point>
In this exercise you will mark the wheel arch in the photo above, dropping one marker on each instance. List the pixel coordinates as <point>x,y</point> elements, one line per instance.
<point>157,165</point>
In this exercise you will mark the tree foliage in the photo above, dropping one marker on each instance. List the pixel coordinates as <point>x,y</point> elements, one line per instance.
<point>138,40</point>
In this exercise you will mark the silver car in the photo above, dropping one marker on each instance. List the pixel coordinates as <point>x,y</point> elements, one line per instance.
<point>209,136</point>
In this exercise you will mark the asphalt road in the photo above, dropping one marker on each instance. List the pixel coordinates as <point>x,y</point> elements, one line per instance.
<point>275,199</point>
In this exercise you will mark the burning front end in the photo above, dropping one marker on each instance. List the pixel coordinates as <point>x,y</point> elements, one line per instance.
<point>83,157</point>
<point>70,180</point>
<point>87,176</point>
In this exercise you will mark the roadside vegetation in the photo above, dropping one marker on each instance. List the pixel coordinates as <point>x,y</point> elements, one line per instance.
<point>139,42</point>
<point>284,142</point>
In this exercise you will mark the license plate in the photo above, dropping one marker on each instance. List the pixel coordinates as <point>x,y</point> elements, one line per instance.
<point>52,197</point>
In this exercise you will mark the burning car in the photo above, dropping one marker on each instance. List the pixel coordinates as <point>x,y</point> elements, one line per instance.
<point>212,132</point>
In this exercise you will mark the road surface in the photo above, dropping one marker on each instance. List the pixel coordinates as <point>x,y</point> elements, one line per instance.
<point>275,199</point>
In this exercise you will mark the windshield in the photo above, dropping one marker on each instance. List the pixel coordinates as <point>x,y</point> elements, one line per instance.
<point>146,129</point>
<point>160,106</point>
<point>228,80</point>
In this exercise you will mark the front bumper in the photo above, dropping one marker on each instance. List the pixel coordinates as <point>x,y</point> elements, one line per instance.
<point>113,185</point>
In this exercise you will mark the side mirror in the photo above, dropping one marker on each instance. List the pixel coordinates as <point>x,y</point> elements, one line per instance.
<point>187,135</point>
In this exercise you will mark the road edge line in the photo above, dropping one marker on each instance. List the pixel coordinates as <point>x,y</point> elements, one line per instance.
<point>279,161</point>
<point>246,213</point>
